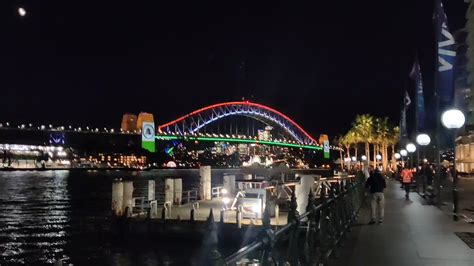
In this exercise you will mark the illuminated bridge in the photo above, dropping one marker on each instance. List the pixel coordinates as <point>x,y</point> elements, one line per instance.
<point>192,125</point>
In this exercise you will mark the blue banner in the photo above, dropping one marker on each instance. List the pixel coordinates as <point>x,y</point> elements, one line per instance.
<point>420,100</point>
<point>446,57</point>
<point>403,116</point>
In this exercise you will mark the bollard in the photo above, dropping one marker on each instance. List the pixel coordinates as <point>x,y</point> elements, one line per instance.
<point>205,187</point>
<point>192,215</point>
<point>128,195</point>
<point>153,209</point>
<point>169,190</point>
<point>178,191</point>
<point>117,198</point>
<point>151,190</point>
<point>238,216</point>
<point>167,207</point>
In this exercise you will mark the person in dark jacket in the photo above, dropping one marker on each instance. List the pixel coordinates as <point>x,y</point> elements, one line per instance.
<point>376,183</point>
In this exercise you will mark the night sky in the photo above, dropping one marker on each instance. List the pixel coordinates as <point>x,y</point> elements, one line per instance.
<point>87,63</point>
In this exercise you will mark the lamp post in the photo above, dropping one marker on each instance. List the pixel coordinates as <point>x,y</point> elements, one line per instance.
<point>423,140</point>
<point>411,148</point>
<point>454,119</point>
<point>403,153</point>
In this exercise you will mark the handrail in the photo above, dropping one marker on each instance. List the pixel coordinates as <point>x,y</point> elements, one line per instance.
<point>337,198</point>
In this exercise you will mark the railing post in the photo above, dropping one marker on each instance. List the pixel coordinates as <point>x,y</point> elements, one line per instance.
<point>310,243</point>
<point>268,238</point>
<point>293,217</point>
<point>238,216</point>
<point>213,256</point>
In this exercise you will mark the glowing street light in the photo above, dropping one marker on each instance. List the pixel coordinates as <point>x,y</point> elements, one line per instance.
<point>411,148</point>
<point>353,158</point>
<point>423,139</point>
<point>397,156</point>
<point>363,157</point>
<point>453,119</point>
<point>378,157</point>
<point>403,153</point>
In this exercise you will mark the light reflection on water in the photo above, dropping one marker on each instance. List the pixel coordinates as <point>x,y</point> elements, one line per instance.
<point>49,215</point>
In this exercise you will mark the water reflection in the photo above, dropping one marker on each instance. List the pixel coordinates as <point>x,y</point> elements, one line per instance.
<point>50,215</point>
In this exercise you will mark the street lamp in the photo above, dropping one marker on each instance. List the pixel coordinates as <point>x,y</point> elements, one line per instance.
<point>411,148</point>
<point>397,156</point>
<point>403,153</point>
<point>363,157</point>
<point>422,140</point>
<point>378,157</point>
<point>454,119</point>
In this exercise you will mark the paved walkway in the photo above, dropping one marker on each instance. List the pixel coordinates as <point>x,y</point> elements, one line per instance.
<point>413,234</point>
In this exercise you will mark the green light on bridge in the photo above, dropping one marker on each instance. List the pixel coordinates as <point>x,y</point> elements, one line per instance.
<point>251,141</point>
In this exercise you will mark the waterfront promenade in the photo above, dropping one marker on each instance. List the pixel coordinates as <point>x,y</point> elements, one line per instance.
<point>413,234</point>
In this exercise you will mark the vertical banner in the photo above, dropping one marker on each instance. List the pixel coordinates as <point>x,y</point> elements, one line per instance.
<point>415,74</point>
<point>148,136</point>
<point>403,116</point>
<point>446,57</point>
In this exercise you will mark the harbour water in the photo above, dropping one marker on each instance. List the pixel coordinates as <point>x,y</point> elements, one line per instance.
<point>51,215</point>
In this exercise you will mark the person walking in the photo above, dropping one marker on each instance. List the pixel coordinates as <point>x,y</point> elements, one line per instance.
<point>376,183</point>
<point>407,178</point>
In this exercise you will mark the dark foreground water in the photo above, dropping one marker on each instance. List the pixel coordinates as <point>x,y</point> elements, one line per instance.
<point>50,215</point>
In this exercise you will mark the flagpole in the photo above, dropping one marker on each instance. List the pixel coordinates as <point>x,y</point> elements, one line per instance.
<point>437,111</point>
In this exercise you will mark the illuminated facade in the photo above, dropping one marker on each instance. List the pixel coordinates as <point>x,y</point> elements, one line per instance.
<point>129,123</point>
<point>115,160</point>
<point>144,117</point>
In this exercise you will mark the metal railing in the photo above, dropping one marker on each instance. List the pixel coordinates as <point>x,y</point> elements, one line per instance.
<point>216,191</point>
<point>307,239</point>
<point>190,196</point>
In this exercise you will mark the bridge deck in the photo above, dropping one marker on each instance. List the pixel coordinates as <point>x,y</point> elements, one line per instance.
<point>413,234</point>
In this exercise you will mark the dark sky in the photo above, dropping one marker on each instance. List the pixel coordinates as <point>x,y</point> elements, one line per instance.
<point>86,63</point>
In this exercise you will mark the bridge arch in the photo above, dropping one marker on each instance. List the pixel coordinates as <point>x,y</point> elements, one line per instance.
<point>194,121</point>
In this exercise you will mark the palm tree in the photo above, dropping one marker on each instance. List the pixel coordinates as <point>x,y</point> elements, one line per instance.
<point>346,142</point>
<point>382,132</point>
<point>363,125</point>
<point>393,139</point>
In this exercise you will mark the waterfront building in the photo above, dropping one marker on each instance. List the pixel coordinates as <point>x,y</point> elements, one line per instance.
<point>129,123</point>
<point>114,160</point>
